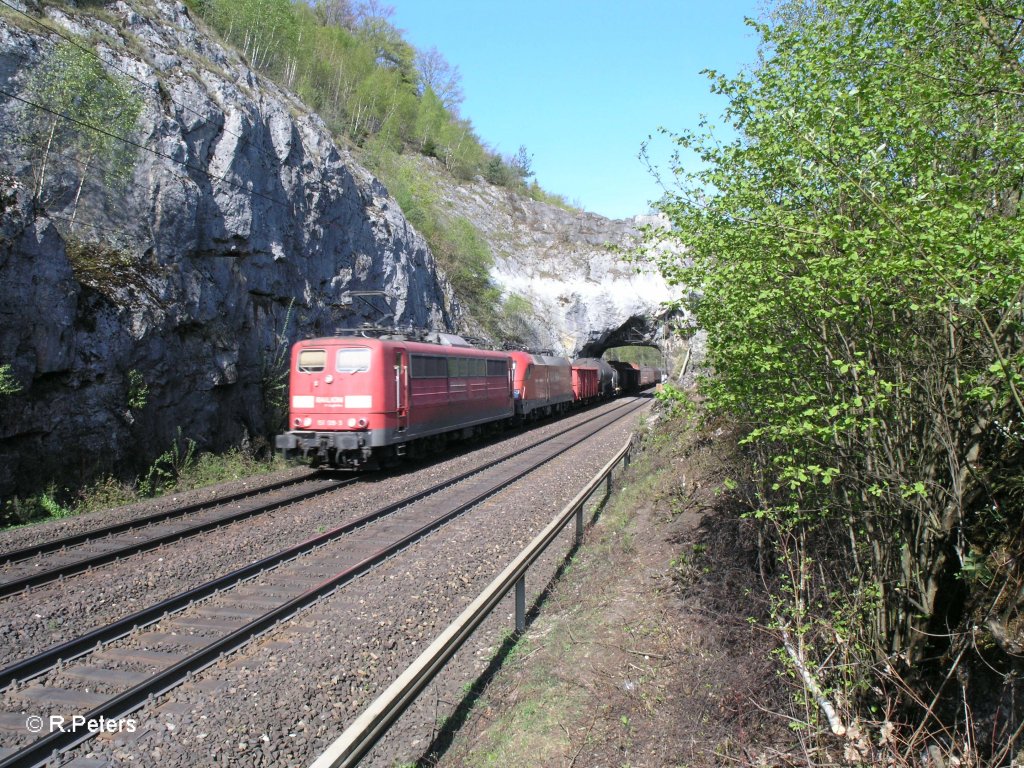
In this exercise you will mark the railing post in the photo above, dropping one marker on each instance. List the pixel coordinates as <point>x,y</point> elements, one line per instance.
<point>521,605</point>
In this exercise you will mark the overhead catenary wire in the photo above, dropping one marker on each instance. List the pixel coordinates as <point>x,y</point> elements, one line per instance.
<point>137,145</point>
<point>154,87</point>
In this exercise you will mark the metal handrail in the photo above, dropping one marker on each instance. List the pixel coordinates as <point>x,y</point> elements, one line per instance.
<point>367,729</point>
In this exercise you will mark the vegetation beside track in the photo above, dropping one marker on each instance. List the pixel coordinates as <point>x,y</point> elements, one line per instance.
<point>859,247</point>
<point>650,646</point>
<point>180,468</point>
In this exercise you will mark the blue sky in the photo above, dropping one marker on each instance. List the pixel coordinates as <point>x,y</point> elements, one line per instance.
<point>583,84</point>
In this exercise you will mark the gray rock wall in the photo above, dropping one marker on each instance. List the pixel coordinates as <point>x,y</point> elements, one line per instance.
<point>240,227</point>
<point>570,266</point>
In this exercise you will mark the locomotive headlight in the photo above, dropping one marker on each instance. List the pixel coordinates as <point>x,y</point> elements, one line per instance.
<point>297,422</point>
<point>351,422</point>
<point>307,421</point>
<point>328,378</point>
<point>362,423</point>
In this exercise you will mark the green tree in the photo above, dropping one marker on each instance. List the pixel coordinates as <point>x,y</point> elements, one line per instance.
<point>87,113</point>
<point>521,165</point>
<point>264,30</point>
<point>859,250</point>
<point>497,172</point>
<point>431,119</point>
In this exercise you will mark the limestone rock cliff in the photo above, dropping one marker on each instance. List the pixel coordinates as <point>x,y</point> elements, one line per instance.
<point>171,305</point>
<point>570,266</point>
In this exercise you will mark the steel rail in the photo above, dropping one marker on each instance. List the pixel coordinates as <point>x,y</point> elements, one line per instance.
<point>68,569</point>
<point>38,752</point>
<point>109,530</point>
<point>366,730</point>
<point>83,644</point>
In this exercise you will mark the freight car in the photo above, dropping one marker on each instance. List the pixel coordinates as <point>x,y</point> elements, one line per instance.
<point>633,378</point>
<point>607,378</point>
<point>356,400</point>
<point>649,376</point>
<point>628,377</point>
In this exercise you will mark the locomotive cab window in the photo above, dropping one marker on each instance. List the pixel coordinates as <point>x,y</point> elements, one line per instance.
<point>352,360</point>
<point>312,360</point>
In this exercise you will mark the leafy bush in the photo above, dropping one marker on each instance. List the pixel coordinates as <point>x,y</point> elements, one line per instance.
<point>87,113</point>
<point>859,245</point>
<point>8,384</point>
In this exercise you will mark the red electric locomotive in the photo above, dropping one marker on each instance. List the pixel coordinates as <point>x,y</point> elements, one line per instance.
<point>542,384</point>
<point>357,400</point>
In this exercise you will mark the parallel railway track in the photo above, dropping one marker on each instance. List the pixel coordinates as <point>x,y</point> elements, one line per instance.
<point>53,560</point>
<point>196,628</point>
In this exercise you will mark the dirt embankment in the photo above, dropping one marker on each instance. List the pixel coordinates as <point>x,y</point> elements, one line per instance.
<point>646,652</point>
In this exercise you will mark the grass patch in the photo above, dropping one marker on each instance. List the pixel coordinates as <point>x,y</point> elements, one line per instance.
<point>530,733</point>
<point>178,469</point>
<point>542,724</point>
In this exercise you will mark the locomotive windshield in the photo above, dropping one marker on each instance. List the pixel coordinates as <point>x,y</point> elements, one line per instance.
<point>353,360</point>
<point>312,360</point>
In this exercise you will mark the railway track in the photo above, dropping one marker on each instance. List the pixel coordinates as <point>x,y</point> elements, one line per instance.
<point>193,630</point>
<point>53,560</point>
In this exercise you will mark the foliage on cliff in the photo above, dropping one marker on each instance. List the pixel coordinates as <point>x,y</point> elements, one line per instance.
<point>378,93</point>
<point>860,259</point>
<point>354,68</point>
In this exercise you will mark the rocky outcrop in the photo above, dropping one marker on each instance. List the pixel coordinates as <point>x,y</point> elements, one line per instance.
<point>571,267</point>
<point>168,308</point>
<point>134,315</point>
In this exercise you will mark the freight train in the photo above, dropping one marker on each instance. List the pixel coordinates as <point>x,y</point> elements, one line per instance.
<point>359,401</point>
<point>633,378</point>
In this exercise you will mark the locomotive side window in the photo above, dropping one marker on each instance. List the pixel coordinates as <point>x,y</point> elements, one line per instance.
<point>418,366</point>
<point>428,367</point>
<point>312,360</point>
<point>477,367</point>
<point>352,360</point>
<point>497,368</point>
<point>458,367</point>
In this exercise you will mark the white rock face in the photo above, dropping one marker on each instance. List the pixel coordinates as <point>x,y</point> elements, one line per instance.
<point>569,266</point>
